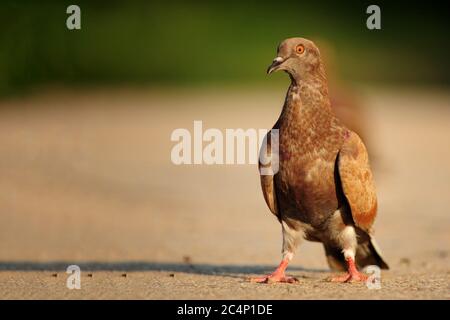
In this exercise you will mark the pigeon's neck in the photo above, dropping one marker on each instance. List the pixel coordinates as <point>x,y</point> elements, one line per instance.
<point>307,99</point>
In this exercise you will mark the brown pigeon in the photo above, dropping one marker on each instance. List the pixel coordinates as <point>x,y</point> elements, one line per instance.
<point>323,190</point>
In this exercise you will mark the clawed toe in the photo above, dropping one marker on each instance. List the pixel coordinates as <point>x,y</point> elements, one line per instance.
<point>277,276</point>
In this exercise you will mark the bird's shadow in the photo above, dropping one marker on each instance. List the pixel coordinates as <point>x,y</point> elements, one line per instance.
<point>235,271</point>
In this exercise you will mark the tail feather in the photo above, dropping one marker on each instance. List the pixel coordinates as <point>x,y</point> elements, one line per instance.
<point>370,254</point>
<point>367,253</point>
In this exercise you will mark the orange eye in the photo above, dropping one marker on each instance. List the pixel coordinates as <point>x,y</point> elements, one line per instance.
<point>300,49</point>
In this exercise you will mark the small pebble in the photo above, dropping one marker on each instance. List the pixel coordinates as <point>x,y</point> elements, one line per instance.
<point>187,259</point>
<point>405,261</point>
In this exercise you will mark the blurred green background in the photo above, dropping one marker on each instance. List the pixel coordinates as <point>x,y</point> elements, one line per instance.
<point>215,43</point>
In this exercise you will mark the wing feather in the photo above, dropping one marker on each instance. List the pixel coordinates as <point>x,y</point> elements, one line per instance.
<point>357,181</point>
<point>267,175</point>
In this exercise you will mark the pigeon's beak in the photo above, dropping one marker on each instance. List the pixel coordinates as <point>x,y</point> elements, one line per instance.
<point>275,65</point>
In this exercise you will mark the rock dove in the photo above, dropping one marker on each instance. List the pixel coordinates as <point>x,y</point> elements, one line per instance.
<point>323,190</point>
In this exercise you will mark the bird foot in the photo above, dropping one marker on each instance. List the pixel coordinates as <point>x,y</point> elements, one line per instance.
<point>353,275</point>
<point>274,278</point>
<point>277,276</point>
<point>350,277</point>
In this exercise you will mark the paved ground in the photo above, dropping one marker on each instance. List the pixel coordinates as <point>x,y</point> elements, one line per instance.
<point>87,179</point>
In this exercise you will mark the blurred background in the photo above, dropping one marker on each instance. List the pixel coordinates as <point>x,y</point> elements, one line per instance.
<point>221,43</point>
<point>86,117</point>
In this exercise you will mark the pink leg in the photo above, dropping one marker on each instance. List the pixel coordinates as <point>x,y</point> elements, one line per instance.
<point>277,276</point>
<point>353,274</point>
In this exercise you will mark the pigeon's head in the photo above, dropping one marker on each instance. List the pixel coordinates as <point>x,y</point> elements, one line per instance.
<point>297,56</point>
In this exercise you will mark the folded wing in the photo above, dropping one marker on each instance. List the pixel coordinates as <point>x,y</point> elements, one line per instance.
<point>267,174</point>
<point>357,181</point>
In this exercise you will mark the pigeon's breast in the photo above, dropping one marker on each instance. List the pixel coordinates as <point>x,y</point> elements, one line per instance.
<point>306,183</point>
